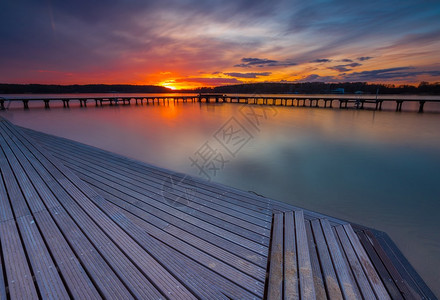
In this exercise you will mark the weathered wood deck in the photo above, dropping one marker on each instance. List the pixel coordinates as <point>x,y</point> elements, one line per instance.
<point>80,222</point>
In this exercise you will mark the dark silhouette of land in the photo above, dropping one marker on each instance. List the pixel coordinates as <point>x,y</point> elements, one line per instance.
<point>424,88</point>
<point>73,89</point>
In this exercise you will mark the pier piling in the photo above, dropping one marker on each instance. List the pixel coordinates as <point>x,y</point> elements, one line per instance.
<point>422,104</point>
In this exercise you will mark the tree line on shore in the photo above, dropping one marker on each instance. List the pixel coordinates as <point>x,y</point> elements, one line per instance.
<point>326,88</point>
<point>424,88</point>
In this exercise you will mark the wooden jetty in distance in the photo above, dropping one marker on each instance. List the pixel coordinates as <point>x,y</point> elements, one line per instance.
<point>326,101</point>
<point>80,222</point>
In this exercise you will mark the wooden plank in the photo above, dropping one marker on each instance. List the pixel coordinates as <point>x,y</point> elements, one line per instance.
<point>291,289</point>
<point>385,277</point>
<point>314,261</point>
<point>45,271</point>
<point>73,274</point>
<point>210,265</point>
<point>2,279</point>
<point>307,289</point>
<point>77,280</point>
<point>228,288</point>
<point>135,267</point>
<point>355,265</point>
<point>48,280</point>
<point>141,208</point>
<point>134,168</point>
<point>78,190</point>
<point>416,283</point>
<point>102,275</point>
<point>155,181</point>
<point>275,286</point>
<point>202,282</point>
<point>228,247</point>
<point>185,229</point>
<point>191,245</point>
<point>350,273</point>
<point>25,187</point>
<point>147,199</point>
<point>5,207</point>
<point>19,207</point>
<point>228,271</point>
<point>142,181</point>
<point>18,272</point>
<point>329,274</point>
<point>241,228</point>
<point>401,284</point>
<point>137,282</point>
<point>128,226</point>
<point>20,164</point>
<point>367,266</point>
<point>347,285</point>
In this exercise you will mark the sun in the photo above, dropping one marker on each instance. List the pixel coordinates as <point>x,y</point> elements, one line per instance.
<point>169,86</point>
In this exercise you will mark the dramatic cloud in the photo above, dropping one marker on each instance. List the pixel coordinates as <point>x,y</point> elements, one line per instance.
<point>398,74</point>
<point>248,62</point>
<point>364,58</point>
<point>321,60</point>
<point>345,68</point>
<point>385,74</point>
<point>248,75</point>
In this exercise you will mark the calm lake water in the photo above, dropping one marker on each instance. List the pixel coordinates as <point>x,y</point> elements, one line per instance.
<point>378,169</point>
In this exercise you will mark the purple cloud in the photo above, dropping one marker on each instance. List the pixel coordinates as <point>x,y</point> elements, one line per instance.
<point>321,60</point>
<point>248,75</point>
<point>249,62</point>
<point>364,58</point>
<point>345,68</point>
<point>386,74</point>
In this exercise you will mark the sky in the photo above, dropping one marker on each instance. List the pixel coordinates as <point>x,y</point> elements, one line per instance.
<point>193,43</point>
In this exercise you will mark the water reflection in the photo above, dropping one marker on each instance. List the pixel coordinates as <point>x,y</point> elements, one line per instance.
<point>379,169</point>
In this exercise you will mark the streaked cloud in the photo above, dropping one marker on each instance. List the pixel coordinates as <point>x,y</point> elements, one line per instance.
<point>248,75</point>
<point>321,60</point>
<point>249,62</point>
<point>346,67</point>
<point>397,74</point>
<point>364,58</point>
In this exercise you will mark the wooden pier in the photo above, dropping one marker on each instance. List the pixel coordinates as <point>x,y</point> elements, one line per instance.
<point>323,101</point>
<point>80,222</point>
